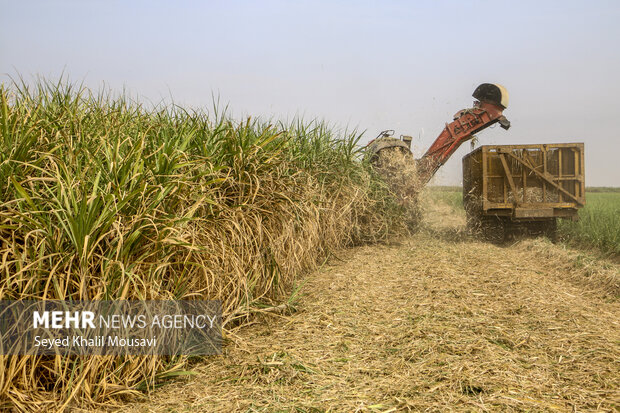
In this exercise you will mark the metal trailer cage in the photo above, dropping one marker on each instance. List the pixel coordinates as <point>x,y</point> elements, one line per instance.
<point>517,184</point>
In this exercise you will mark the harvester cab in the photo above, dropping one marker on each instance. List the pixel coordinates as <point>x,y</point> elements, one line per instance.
<point>491,100</point>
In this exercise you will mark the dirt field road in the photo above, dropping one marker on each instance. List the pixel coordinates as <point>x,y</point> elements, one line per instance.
<point>436,322</point>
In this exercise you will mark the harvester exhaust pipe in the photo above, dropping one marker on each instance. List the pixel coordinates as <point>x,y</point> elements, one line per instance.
<point>407,139</point>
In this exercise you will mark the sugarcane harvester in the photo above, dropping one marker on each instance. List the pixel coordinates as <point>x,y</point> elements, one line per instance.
<point>491,100</point>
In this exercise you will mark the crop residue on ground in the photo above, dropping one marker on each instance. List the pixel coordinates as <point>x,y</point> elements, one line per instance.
<point>436,322</point>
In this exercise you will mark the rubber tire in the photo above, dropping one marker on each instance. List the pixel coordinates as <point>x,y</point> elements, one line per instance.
<point>493,229</point>
<point>531,229</point>
<point>551,230</point>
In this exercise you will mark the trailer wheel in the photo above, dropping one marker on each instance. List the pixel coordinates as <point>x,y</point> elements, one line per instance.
<point>522,228</point>
<point>492,229</point>
<point>488,228</point>
<point>551,230</point>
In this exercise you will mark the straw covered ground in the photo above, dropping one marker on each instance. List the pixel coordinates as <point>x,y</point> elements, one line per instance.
<point>435,322</point>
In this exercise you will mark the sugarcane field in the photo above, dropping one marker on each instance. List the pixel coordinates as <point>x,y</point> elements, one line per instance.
<point>309,207</point>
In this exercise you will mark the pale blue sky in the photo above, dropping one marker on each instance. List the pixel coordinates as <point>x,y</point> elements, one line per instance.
<point>400,65</point>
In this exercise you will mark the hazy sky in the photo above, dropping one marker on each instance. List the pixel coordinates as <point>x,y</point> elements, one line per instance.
<point>404,65</point>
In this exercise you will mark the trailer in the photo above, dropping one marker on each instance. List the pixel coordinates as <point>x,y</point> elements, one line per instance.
<point>510,190</point>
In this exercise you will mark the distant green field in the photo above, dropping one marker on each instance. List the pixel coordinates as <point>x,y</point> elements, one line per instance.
<point>598,225</point>
<point>602,189</point>
<point>599,221</point>
<point>451,195</point>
